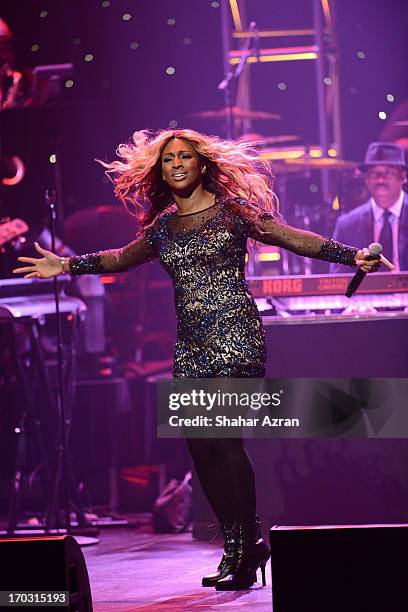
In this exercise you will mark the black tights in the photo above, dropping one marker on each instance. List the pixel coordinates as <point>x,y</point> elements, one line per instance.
<point>227,477</point>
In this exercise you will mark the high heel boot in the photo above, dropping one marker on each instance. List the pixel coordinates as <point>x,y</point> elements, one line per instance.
<point>224,567</point>
<point>251,553</point>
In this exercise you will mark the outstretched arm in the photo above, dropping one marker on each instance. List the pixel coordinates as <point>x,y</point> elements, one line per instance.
<point>308,244</point>
<point>112,260</point>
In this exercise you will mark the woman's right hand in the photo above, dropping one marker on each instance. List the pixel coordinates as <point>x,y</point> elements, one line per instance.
<point>47,266</point>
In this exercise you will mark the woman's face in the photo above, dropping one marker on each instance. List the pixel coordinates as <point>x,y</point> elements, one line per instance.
<point>181,166</point>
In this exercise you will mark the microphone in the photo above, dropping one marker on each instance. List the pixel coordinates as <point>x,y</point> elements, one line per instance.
<point>223,84</point>
<point>245,53</point>
<point>256,41</point>
<point>375,250</point>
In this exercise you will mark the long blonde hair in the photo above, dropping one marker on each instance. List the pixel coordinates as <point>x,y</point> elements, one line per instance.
<point>233,170</point>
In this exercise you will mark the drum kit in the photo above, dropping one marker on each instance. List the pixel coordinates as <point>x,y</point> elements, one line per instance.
<point>298,170</point>
<point>285,160</point>
<point>294,159</point>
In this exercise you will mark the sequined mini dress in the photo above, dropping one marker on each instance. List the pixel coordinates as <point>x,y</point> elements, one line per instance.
<point>219,329</point>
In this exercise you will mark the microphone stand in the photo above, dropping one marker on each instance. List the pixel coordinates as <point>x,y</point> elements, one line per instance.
<point>231,76</point>
<point>63,482</point>
<point>61,469</point>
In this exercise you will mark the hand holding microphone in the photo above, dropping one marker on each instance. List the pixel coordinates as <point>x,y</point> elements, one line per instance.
<point>368,260</point>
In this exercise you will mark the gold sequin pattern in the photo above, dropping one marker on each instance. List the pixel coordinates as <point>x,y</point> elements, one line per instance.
<point>220,331</point>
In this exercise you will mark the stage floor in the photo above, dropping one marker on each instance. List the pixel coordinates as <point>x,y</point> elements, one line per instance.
<point>135,569</point>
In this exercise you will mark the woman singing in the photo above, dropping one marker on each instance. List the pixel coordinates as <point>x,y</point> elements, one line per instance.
<point>198,200</point>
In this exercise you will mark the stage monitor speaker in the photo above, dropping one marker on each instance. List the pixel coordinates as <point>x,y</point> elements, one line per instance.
<point>54,563</point>
<point>358,568</point>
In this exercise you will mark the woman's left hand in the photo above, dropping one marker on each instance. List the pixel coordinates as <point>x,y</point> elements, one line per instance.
<point>366,265</point>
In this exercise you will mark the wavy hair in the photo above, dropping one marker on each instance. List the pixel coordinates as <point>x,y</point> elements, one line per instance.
<point>233,170</point>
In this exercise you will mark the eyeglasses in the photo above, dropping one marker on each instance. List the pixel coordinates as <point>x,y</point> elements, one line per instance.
<point>389,173</point>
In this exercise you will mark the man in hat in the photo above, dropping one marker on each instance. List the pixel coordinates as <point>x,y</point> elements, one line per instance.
<point>384,217</point>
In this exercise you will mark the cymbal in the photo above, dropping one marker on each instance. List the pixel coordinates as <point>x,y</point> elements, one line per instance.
<point>236,112</point>
<point>260,140</point>
<point>315,163</point>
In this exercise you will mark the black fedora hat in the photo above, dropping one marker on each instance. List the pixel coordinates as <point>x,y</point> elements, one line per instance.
<point>384,154</point>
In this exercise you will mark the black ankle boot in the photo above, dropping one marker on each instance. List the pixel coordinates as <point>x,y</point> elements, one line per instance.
<point>224,568</point>
<point>251,553</point>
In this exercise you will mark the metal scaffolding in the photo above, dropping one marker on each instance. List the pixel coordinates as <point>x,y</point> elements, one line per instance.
<point>323,50</point>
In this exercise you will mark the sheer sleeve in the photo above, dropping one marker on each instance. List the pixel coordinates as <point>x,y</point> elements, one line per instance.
<point>269,230</point>
<point>133,254</point>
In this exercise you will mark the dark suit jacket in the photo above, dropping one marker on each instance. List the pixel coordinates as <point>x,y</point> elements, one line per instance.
<point>357,229</point>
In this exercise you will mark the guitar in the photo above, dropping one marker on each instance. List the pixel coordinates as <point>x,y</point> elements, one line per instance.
<point>12,229</point>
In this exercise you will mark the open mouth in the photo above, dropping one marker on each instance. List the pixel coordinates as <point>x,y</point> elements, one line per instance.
<point>178,176</point>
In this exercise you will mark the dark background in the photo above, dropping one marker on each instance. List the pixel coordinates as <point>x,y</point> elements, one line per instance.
<point>124,89</point>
